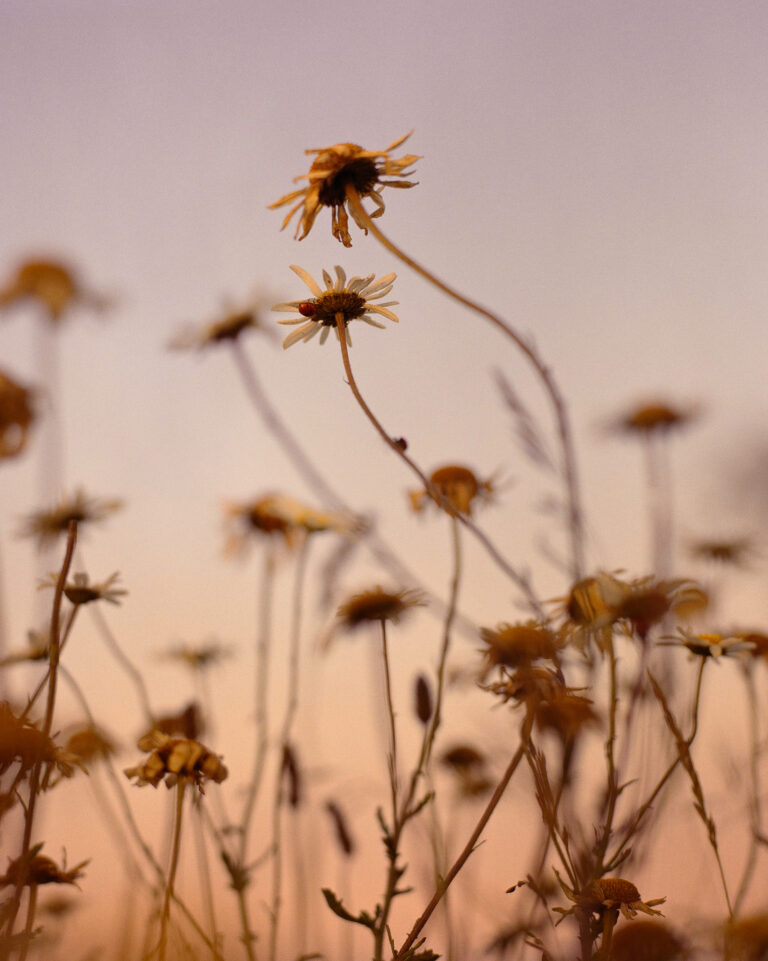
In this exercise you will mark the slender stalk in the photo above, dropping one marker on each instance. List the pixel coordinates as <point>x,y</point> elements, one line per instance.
<point>521,581</point>
<point>392,762</point>
<point>466,851</point>
<point>755,804</point>
<point>125,662</point>
<point>175,848</point>
<point>568,466</point>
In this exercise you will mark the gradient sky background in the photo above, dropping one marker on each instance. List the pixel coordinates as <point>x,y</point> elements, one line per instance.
<point>597,172</point>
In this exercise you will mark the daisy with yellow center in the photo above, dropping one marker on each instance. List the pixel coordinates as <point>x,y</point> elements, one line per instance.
<point>342,167</point>
<point>710,645</point>
<point>340,302</point>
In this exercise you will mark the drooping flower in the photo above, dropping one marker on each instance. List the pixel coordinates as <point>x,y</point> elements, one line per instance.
<point>608,893</point>
<point>516,645</point>
<point>16,416</point>
<point>47,525</point>
<point>376,606</point>
<point>174,758</point>
<point>91,744</point>
<point>52,285</point>
<point>349,300</point>
<point>342,166</point>
<point>459,485</point>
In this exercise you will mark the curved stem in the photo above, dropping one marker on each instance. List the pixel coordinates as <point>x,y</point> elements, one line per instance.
<point>569,471</point>
<point>519,579</point>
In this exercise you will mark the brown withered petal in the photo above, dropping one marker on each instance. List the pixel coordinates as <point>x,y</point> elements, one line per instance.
<point>566,715</point>
<point>343,836</point>
<point>515,645</point>
<point>423,699</point>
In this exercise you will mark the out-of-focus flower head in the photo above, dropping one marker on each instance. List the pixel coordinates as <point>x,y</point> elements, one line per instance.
<point>646,941</point>
<point>174,758</point>
<point>34,868</point>
<point>276,515</point>
<point>350,300</point>
<point>339,168</point>
<point>468,766</point>
<point>37,649</point>
<point>48,525</point>
<point>81,591</point>
<point>709,645</point>
<point>16,416</point>
<point>188,723</point>
<point>198,657</point>
<point>746,938</point>
<point>377,606</point>
<point>759,642</point>
<point>516,645</point>
<point>52,285</point>
<point>226,328</point>
<point>23,743</point>
<point>90,744</point>
<point>606,894</point>
<point>653,417</point>
<point>461,487</point>
<point>734,551</point>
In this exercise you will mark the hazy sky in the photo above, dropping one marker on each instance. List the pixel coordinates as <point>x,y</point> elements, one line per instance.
<point>596,171</point>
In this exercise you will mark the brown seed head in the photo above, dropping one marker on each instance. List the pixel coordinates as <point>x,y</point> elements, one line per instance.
<point>377,605</point>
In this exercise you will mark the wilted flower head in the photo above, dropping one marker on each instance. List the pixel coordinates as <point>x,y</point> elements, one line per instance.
<point>349,300</point>
<point>459,485</point>
<point>515,645</point>
<point>198,657</point>
<point>653,417</point>
<point>52,285</point>
<point>340,168</point>
<point>174,758</point>
<point>188,722</point>
<point>80,591</point>
<point>734,551</point>
<point>608,893</point>
<point>377,605</point>
<point>226,328</point>
<point>34,869</point>
<point>281,516</point>
<point>91,744</point>
<point>47,525</point>
<point>23,743</point>
<point>16,416</point>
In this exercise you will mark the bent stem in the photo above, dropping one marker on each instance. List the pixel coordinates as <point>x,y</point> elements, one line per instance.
<point>568,466</point>
<point>520,580</point>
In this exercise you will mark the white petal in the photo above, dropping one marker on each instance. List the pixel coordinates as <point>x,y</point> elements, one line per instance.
<point>289,307</point>
<point>379,293</point>
<point>292,320</point>
<point>294,338</point>
<point>341,278</point>
<point>372,322</point>
<point>382,282</point>
<point>373,309</point>
<point>309,281</point>
<point>358,283</point>
<point>324,334</point>
<point>327,280</point>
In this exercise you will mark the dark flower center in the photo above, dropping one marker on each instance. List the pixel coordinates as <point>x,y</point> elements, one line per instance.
<point>362,174</point>
<point>338,302</point>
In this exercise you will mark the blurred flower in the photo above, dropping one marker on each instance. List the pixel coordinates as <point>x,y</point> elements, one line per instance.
<point>655,417</point>
<point>746,938</point>
<point>228,327</point>
<point>518,644</point>
<point>200,657</point>
<point>341,828</point>
<point>734,552</point>
<point>34,869</point>
<point>333,170</point>
<point>16,416</point>
<point>37,649</point>
<point>709,645</point>
<point>52,285</point>
<point>23,743</point>
<point>278,515</point>
<point>759,642</point>
<point>352,299</point>
<point>459,485</point>
<point>90,744</point>
<point>469,768</point>
<point>173,758</point>
<point>187,722</point>
<point>377,605</point>
<point>646,941</point>
<point>80,591</point>
<point>564,713</point>
<point>47,525</point>
<point>608,893</point>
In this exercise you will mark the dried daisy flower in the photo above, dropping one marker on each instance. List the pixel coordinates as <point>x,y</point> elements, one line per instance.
<point>337,169</point>
<point>608,893</point>
<point>565,714</point>
<point>91,744</point>
<point>188,722</point>
<point>709,645</point>
<point>16,416</point>
<point>526,684</point>
<point>47,525</point>
<point>376,606</point>
<point>646,941</point>
<point>459,485</point>
<point>174,758</point>
<point>34,869</point>
<point>80,591</point>
<point>23,743</point>
<point>734,552</point>
<point>52,285</point>
<point>349,300</point>
<point>519,644</point>
<point>200,657</point>
<point>276,515</point>
<point>654,417</point>
<point>224,329</point>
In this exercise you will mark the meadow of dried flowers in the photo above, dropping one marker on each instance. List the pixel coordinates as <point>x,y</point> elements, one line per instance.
<point>603,691</point>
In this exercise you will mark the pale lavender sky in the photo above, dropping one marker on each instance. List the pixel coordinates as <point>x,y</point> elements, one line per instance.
<point>598,172</point>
